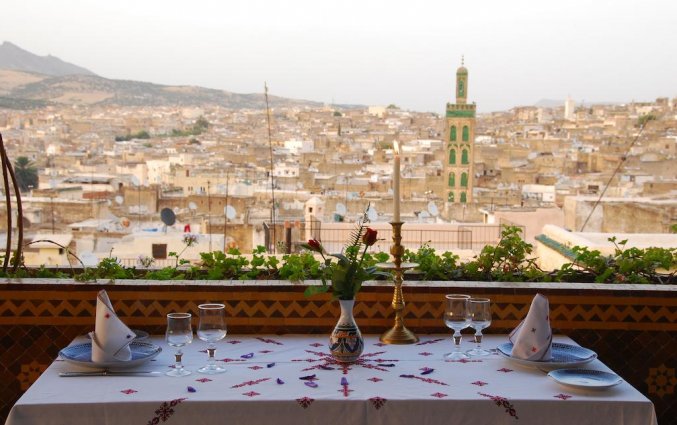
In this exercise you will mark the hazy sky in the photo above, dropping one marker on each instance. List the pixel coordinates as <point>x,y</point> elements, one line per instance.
<point>367,52</point>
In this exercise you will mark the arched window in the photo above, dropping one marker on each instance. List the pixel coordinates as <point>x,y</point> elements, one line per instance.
<point>452,179</point>
<point>450,197</point>
<point>464,156</point>
<point>464,180</point>
<point>464,198</point>
<point>452,133</point>
<point>466,133</point>
<point>452,156</point>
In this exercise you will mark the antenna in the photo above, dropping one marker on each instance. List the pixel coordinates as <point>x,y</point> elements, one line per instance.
<point>272,177</point>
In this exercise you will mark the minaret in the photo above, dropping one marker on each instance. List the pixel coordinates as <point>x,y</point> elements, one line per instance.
<point>460,142</point>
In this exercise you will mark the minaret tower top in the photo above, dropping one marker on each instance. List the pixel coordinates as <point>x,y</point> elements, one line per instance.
<point>461,83</point>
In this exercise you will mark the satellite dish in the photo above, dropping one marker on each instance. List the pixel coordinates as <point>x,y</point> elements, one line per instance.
<point>135,181</point>
<point>372,215</point>
<point>230,212</point>
<point>424,214</point>
<point>109,203</point>
<point>432,209</point>
<point>119,200</point>
<point>192,206</point>
<point>176,210</point>
<point>167,216</point>
<point>341,209</point>
<point>89,259</point>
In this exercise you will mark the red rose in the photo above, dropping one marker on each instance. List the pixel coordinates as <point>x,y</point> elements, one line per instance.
<point>369,237</point>
<point>314,245</point>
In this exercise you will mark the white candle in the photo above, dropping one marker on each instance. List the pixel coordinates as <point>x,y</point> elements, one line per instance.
<point>396,183</point>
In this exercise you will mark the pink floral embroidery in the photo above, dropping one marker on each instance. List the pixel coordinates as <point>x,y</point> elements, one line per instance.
<point>464,361</point>
<point>203,380</point>
<point>129,391</point>
<point>438,395</point>
<point>479,383</point>
<point>326,361</point>
<point>427,380</point>
<point>251,394</point>
<point>255,367</point>
<point>375,379</point>
<point>165,411</point>
<point>432,341</point>
<point>316,344</point>
<point>265,351</point>
<point>269,341</point>
<point>425,353</point>
<point>563,396</point>
<point>234,342</point>
<point>305,401</point>
<point>504,370</point>
<point>227,360</point>
<point>502,402</point>
<point>249,383</point>
<point>378,402</point>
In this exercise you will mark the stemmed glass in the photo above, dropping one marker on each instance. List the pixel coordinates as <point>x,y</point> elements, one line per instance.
<point>456,317</point>
<point>480,318</point>
<point>179,333</point>
<point>212,328</point>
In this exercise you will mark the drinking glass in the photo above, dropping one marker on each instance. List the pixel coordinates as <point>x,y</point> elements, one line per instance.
<point>212,328</point>
<point>480,318</point>
<point>179,333</point>
<point>456,317</point>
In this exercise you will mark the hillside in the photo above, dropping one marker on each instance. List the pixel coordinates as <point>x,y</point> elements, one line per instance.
<point>94,90</point>
<point>14,57</point>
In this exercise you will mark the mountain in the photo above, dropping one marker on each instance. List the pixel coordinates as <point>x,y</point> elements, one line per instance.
<point>95,90</point>
<point>29,81</point>
<point>14,57</point>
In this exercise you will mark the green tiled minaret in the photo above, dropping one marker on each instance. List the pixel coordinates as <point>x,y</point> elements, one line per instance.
<point>460,142</point>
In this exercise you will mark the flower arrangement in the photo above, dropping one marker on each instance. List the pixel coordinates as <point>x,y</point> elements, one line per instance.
<point>347,273</point>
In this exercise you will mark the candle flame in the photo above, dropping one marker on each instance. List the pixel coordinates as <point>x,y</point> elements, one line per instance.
<point>396,147</point>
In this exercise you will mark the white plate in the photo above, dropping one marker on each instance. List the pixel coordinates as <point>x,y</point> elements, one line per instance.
<point>585,378</point>
<point>81,355</point>
<point>563,356</point>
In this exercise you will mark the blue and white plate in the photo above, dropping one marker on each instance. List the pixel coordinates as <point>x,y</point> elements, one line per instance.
<point>81,355</point>
<point>563,355</point>
<point>585,378</point>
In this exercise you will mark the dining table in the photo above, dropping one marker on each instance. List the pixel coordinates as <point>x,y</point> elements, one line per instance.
<point>292,379</point>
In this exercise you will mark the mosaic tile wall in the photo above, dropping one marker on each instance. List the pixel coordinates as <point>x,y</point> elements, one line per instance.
<point>633,331</point>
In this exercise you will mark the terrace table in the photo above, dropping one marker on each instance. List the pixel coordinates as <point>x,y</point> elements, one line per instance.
<point>488,390</point>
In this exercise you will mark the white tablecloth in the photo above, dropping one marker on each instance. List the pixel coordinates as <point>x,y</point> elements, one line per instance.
<point>387,386</point>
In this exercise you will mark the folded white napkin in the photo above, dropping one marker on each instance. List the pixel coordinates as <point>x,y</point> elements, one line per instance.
<point>111,337</point>
<point>532,339</point>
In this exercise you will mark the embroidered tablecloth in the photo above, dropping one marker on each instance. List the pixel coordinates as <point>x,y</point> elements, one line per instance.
<point>292,380</point>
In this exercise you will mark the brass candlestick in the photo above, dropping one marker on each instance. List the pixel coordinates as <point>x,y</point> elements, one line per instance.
<point>398,334</point>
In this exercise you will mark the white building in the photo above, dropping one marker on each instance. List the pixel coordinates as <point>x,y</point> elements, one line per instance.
<point>569,109</point>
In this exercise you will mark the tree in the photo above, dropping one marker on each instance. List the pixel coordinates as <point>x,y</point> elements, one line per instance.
<point>26,173</point>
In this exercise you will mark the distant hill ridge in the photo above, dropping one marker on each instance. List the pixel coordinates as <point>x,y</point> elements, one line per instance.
<point>30,81</point>
<point>14,57</point>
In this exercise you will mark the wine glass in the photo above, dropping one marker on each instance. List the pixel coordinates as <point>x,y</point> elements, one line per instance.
<point>212,328</point>
<point>456,317</point>
<point>480,318</point>
<point>179,333</point>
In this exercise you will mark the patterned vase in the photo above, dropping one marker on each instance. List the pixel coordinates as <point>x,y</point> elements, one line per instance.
<point>346,342</point>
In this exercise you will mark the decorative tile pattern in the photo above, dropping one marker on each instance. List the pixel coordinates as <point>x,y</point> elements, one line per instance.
<point>633,331</point>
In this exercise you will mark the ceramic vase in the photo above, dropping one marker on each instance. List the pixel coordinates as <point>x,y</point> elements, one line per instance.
<point>346,342</point>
